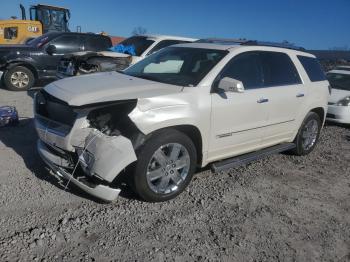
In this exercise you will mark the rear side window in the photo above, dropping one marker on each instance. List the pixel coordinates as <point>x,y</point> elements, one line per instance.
<point>97,43</point>
<point>278,69</point>
<point>312,68</point>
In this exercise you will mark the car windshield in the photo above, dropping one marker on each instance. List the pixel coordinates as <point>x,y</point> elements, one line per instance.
<point>41,40</point>
<point>339,81</point>
<point>181,66</point>
<point>139,43</point>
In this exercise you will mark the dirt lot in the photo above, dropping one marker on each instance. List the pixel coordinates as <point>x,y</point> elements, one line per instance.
<point>282,208</point>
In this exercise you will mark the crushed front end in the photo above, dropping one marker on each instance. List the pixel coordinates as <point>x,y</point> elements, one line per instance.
<point>87,146</point>
<point>90,62</point>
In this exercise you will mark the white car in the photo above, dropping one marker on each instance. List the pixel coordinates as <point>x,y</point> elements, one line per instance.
<point>339,102</point>
<point>128,52</point>
<point>184,107</point>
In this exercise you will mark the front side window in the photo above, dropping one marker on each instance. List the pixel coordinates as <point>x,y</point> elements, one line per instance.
<point>312,68</point>
<point>278,69</point>
<point>66,44</point>
<point>10,32</point>
<point>245,67</point>
<point>339,81</point>
<point>177,65</point>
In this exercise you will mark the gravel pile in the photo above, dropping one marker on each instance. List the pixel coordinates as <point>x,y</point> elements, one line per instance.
<point>281,208</point>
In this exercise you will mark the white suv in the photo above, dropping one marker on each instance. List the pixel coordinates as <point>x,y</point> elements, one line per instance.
<point>184,107</point>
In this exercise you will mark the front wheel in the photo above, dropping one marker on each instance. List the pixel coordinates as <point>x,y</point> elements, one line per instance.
<point>308,134</point>
<point>165,166</point>
<point>19,78</point>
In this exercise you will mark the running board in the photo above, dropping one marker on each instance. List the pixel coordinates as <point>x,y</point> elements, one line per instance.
<point>247,158</point>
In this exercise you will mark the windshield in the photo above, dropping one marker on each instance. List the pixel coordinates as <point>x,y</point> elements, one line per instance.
<point>177,65</point>
<point>41,40</point>
<point>138,43</point>
<point>339,81</point>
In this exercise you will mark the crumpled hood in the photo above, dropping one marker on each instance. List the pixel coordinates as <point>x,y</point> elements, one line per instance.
<point>106,87</point>
<point>338,94</point>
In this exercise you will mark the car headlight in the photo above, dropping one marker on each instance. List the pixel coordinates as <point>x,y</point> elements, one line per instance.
<point>344,102</point>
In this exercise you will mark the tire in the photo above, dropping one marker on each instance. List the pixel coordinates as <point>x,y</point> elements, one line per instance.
<point>151,175</point>
<point>25,79</point>
<point>302,145</point>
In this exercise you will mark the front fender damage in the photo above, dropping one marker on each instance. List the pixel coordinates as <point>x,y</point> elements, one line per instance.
<point>106,156</point>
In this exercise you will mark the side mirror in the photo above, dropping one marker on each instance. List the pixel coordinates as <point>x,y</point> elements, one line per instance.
<point>51,49</point>
<point>228,84</point>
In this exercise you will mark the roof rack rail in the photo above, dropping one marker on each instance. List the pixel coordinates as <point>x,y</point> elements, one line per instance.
<point>242,41</point>
<point>222,41</point>
<point>274,44</point>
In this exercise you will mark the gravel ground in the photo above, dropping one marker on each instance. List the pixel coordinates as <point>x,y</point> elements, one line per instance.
<point>282,208</point>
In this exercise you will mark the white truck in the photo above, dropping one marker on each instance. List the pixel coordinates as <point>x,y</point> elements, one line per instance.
<point>212,102</point>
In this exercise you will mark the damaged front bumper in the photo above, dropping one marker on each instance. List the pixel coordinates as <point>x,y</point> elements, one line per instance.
<point>101,157</point>
<point>99,191</point>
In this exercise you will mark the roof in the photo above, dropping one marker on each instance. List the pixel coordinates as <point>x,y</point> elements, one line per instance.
<point>51,6</point>
<point>232,46</point>
<point>170,37</point>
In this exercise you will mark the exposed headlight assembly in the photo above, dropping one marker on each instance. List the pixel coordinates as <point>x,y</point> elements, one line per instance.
<point>344,102</point>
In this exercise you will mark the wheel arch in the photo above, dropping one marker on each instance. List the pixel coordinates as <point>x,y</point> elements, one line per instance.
<point>24,64</point>
<point>320,112</point>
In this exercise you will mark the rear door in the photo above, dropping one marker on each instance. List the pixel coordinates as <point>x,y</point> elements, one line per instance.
<point>238,120</point>
<point>285,93</point>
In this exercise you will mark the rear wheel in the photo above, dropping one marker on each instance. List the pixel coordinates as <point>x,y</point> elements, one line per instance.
<point>165,166</point>
<point>19,78</point>
<point>308,134</point>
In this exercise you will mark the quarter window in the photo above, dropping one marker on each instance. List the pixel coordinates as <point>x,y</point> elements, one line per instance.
<point>312,68</point>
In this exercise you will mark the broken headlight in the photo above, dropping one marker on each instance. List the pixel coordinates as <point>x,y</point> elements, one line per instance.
<point>113,119</point>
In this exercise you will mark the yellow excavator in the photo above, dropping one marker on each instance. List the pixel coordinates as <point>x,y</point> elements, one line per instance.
<point>43,19</point>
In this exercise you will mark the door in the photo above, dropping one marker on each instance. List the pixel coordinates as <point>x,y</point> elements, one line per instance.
<point>238,120</point>
<point>64,44</point>
<point>285,93</point>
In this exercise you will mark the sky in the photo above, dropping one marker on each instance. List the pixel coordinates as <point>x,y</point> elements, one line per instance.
<point>312,24</point>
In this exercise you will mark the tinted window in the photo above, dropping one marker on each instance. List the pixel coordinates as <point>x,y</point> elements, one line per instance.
<point>312,68</point>
<point>339,81</point>
<point>278,69</point>
<point>246,68</point>
<point>165,43</point>
<point>97,43</point>
<point>67,44</point>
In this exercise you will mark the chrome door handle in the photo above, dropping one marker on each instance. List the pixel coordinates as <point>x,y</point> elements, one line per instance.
<point>300,95</point>
<point>262,100</point>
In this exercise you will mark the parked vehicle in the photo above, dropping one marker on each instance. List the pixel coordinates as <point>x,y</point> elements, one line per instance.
<point>183,107</point>
<point>22,65</point>
<point>339,102</point>
<point>128,52</point>
<point>43,19</point>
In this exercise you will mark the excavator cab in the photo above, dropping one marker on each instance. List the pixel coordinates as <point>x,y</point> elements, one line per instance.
<point>52,18</point>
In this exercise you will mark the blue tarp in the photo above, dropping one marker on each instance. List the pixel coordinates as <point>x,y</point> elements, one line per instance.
<point>124,49</point>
